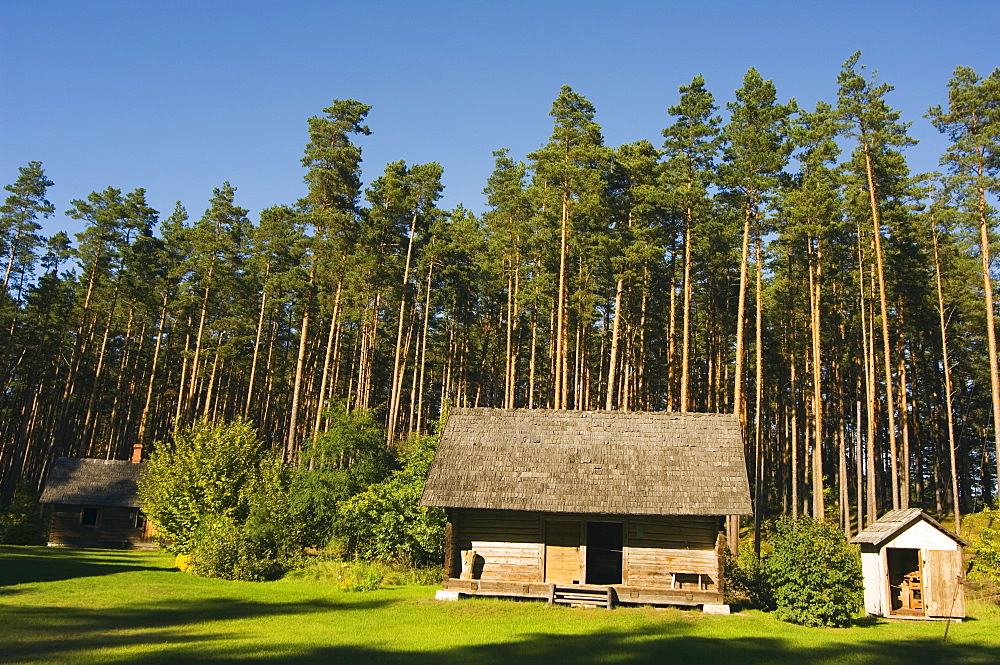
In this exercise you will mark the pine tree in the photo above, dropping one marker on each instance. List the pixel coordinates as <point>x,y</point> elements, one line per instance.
<point>879,171</point>
<point>19,215</point>
<point>570,174</point>
<point>972,123</point>
<point>690,148</point>
<point>756,151</point>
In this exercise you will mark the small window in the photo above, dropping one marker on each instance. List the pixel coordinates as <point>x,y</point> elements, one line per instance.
<point>89,516</point>
<point>138,519</point>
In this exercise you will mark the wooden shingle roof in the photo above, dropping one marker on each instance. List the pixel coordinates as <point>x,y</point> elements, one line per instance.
<point>604,462</point>
<point>896,521</point>
<point>93,482</point>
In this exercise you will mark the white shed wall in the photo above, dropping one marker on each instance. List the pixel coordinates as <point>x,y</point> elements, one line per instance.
<point>922,536</point>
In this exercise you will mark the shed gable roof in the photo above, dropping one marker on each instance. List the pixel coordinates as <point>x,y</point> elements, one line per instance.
<point>894,522</point>
<point>604,462</point>
<point>93,482</point>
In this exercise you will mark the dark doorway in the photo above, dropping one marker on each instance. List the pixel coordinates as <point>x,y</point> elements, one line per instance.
<point>906,590</point>
<point>604,552</point>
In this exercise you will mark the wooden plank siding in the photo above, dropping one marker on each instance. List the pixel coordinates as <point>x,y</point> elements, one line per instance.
<point>508,544</point>
<point>115,528</point>
<point>563,539</point>
<point>659,549</point>
<point>667,558</point>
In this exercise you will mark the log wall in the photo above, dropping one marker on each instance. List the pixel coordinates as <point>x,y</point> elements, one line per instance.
<point>508,544</point>
<point>670,552</point>
<point>116,528</point>
<point>675,552</point>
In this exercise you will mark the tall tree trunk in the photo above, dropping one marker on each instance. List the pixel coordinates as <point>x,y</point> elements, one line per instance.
<point>291,440</point>
<point>532,359</point>
<point>884,312</point>
<point>181,387</point>
<point>561,373</point>
<point>210,393</point>
<point>144,418</point>
<point>991,337</point>
<point>686,315</point>
<point>870,381</point>
<point>859,456</point>
<point>815,268</point>
<point>946,364</point>
<point>794,407</point>
<point>672,335</point>
<point>397,376</point>
<point>189,401</point>
<point>256,344</point>
<point>327,356</point>
<point>423,349</point>
<point>904,418</point>
<point>758,397</point>
<point>740,315</point>
<point>615,331</point>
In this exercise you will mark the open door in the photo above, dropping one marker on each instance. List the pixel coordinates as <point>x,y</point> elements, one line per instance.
<point>562,551</point>
<point>604,552</point>
<point>945,594</point>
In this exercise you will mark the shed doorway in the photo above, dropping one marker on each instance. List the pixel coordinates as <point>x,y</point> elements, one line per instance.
<point>906,588</point>
<point>604,552</point>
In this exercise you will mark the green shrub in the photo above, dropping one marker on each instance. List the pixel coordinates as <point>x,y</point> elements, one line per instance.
<point>21,522</point>
<point>345,459</point>
<point>232,551</point>
<point>814,574</point>
<point>746,583</point>
<point>210,470</point>
<point>986,547</point>
<point>386,522</point>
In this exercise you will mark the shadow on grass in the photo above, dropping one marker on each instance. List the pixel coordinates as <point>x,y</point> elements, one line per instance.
<point>22,565</point>
<point>662,647</point>
<point>58,634</point>
<point>148,635</point>
<point>220,630</point>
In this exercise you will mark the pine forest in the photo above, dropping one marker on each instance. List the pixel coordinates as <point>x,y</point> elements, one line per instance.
<point>779,262</point>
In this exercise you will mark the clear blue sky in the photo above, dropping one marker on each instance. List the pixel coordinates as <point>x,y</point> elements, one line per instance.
<point>178,97</point>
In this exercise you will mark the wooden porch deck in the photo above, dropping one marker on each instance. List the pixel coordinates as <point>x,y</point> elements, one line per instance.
<point>624,594</point>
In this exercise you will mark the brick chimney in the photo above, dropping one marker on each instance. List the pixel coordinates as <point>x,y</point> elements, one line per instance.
<point>136,453</point>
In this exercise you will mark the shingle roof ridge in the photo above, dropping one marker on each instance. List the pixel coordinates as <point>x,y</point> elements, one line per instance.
<point>92,481</point>
<point>895,521</point>
<point>610,462</point>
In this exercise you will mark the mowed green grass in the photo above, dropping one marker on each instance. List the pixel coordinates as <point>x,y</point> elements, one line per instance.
<point>76,606</point>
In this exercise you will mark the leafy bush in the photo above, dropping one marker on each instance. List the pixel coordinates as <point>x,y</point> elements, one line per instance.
<point>233,551</point>
<point>986,561</point>
<point>386,522</point>
<point>335,465</point>
<point>814,574</point>
<point>21,522</point>
<point>746,583</point>
<point>209,471</point>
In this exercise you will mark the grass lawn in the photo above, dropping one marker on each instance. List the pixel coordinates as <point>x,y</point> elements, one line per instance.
<point>98,606</point>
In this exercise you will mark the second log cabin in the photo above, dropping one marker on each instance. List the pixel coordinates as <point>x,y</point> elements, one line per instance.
<point>625,507</point>
<point>95,503</point>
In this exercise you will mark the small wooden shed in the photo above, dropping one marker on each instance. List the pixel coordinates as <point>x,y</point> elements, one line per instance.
<point>912,567</point>
<point>95,503</point>
<point>576,505</point>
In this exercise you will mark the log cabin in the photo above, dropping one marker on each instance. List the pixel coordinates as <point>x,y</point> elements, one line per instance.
<point>95,503</point>
<point>912,567</point>
<point>588,507</point>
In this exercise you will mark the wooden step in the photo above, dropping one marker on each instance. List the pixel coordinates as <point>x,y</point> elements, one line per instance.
<point>581,595</point>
